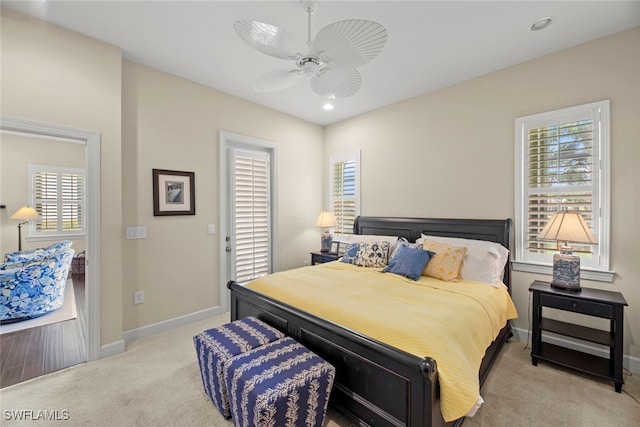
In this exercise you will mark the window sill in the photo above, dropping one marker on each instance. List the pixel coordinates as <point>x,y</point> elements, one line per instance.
<point>54,237</point>
<point>586,274</point>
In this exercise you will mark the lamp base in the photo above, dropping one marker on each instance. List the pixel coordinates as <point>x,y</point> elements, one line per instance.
<point>325,241</point>
<point>563,287</point>
<point>566,272</point>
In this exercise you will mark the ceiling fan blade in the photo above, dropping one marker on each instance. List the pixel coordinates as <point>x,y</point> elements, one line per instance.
<point>336,82</point>
<point>350,43</point>
<point>270,39</point>
<point>277,80</point>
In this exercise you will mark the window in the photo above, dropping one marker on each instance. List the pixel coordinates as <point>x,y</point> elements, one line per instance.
<point>251,213</point>
<point>57,194</point>
<point>344,189</point>
<point>562,162</point>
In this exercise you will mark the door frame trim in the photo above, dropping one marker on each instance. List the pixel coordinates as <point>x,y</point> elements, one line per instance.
<point>91,141</point>
<point>233,140</point>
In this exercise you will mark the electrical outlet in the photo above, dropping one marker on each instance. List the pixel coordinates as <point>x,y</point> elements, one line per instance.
<point>138,297</point>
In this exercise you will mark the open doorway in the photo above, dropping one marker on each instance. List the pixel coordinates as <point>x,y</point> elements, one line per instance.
<point>70,341</point>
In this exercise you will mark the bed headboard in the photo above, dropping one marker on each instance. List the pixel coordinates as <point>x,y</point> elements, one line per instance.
<point>493,230</point>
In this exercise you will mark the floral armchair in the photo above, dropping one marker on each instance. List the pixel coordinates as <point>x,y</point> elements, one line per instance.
<point>32,282</point>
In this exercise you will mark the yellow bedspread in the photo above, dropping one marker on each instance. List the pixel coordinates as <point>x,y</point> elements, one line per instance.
<point>453,323</point>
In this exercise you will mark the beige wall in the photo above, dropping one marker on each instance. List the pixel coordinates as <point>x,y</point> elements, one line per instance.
<point>148,119</point>
<point>17,152</point>
<point>171,123</point>
<point>56,76</point>
<point>451,153</point>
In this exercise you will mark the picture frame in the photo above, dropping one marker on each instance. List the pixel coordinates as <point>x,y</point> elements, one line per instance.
<point>173,193</point>
<point>338,247</point>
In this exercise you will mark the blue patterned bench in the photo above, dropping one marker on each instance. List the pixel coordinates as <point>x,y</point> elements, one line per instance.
<point>279,384</point>
<point>216,346</point>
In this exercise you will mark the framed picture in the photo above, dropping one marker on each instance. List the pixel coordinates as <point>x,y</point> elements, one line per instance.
<point>338,247</point>
<point>173,193</point>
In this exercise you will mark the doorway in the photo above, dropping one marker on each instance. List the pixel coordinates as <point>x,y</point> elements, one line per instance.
<point>91,142</point>
<point>248,209</point>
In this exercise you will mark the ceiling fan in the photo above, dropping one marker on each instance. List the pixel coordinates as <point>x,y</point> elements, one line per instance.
<point>330,60</point>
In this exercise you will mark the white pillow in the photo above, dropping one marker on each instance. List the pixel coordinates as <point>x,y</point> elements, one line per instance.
<point>484,261</point>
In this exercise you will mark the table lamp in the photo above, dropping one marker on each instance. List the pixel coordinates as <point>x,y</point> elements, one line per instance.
<point>26,214</point>
<point>567,227</point>
<point>326,220</point>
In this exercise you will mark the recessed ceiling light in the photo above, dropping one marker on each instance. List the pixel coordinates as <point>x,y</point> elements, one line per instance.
<point>328,106</point>
<point>541,24</point>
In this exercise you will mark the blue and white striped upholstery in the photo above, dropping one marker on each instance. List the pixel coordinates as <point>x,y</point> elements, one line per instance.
<point>279,384</point>
<point>216,346</point>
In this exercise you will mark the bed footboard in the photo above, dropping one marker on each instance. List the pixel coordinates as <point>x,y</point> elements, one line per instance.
<point>375,383</point>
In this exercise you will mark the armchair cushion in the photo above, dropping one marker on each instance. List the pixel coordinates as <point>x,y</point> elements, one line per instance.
<point>37,254</point>
<point>33,288</point>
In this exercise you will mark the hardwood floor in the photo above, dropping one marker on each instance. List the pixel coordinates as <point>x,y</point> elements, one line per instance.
<point>37,351</point>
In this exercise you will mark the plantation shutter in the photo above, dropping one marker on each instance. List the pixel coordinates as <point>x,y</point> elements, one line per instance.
<point>345,193</point>
<point>251,201</point>
<point>561,177</point>
<point>562,163</point>
<point>58,197</point>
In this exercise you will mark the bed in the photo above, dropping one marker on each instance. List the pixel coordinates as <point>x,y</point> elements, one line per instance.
<point>376,383</point>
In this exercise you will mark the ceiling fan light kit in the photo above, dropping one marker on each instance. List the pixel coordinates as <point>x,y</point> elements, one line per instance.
<point>330,60</point>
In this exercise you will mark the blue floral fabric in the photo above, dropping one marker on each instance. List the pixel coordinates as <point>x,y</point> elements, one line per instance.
<point>36,254</point>
<point>33,288</point>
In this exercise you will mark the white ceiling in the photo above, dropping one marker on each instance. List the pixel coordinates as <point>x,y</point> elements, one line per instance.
<point>431,44</point>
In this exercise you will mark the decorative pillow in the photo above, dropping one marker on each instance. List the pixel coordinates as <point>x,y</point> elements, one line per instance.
<point>403,242</point>
<point>447,261</point>
<point>409,262</point>
<point>484,261</point>
<point>351,254</point>
<point>373,254</point>
<point>371,238</point>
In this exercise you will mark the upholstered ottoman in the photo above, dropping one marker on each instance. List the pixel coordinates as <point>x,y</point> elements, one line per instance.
<point>279,384</point>
<point>216,346</point>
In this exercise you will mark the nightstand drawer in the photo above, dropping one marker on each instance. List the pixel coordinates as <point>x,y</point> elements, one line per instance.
<point>571,304</point>
<point>322,257</point>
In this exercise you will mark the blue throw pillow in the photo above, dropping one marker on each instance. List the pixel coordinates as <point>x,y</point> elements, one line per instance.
<point>351,254</point>
<point>409,262</point>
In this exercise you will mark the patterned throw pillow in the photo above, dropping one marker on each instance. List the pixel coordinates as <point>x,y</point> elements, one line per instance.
<point>447,261</point>
<point>351,254</point>
<point>373,254</point>
<point>409,262</point>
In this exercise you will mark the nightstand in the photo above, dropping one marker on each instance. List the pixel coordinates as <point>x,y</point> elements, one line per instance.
<point>322,257</point>
<point>589,302</point>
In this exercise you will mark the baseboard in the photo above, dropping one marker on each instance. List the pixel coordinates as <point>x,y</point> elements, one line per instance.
<point>112,349</point>
<point>629,362</point>
<point>165,325</point>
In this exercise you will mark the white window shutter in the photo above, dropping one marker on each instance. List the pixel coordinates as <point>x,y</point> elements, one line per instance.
<point>344,193</point>
<point>251,213</point>
<point>561,165</point>
<point>58,195</point>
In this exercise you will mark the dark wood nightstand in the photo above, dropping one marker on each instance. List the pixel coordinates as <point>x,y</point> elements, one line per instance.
<point>322,257</point>
<point>590,302</point>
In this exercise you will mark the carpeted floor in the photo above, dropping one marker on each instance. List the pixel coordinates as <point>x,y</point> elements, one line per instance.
<point>157,382</point>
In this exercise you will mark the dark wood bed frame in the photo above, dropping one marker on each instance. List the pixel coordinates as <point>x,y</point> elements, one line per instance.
<point>377,384</point>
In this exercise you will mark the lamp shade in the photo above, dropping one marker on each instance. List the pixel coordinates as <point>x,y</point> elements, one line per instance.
<point>568,227</point>
<point>326,220</point>
<point>26,213</point>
